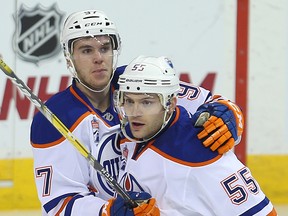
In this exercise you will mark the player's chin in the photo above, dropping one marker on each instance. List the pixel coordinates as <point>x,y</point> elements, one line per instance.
<point>138,134</point>
<point>99,84</point>
<point>100,77</point>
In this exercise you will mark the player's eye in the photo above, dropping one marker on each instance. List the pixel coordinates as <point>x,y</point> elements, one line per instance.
<point>87,51</point>
<point>147,103</point>
<point>128,101</point>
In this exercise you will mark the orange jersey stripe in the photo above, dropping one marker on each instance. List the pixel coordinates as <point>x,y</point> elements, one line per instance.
<point>56,142</point>
<point>273,213</point>
<point>90,108</point>
<point>64,205</point>
<point>185,162</point>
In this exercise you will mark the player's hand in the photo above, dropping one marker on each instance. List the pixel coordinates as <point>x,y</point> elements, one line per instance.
<point>118,207</point>
<point>222,123</point>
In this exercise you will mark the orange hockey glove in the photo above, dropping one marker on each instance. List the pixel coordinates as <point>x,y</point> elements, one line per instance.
<point>223,125</point>
<point>118,207</point>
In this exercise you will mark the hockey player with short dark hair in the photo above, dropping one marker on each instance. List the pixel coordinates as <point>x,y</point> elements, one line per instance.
<point>163,156</point>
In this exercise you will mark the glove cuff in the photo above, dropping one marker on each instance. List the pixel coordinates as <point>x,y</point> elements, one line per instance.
<point>147,208</point>
<point>105,210</point>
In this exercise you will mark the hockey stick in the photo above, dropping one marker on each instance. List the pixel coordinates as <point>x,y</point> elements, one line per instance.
<point>65,132</point>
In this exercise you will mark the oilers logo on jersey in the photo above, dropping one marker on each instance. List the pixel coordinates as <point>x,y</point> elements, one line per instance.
<point>130,183</point>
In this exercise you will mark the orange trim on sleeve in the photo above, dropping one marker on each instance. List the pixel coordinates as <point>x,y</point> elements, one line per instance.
<point>47,145</point>
<point>177,111</point>
<point>90,108</point>
<point>144,149</point>
<point>79,120</point>
<point>67,199</point>
<point>80,99</point>
<point>185,162</point>
<point>56,142</point>
<point>273,212</point>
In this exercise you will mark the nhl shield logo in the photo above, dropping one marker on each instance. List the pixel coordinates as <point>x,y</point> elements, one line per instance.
<point>37,33</point>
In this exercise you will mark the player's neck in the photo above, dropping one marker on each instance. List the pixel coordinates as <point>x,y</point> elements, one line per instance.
<point>99,100</point>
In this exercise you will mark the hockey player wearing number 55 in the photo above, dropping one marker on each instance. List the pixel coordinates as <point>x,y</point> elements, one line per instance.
<point>66,183</point>
<point>164,157</point>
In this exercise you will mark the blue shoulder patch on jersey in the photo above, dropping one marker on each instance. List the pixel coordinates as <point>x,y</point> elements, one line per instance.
<point>180,141</point>
<point>42,131</point>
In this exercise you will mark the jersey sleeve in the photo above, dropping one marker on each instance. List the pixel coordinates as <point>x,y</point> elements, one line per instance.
<point>61,173</point>
<point>191,96</point>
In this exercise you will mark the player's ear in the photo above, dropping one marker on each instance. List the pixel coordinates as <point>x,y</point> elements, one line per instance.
<point>173,103</point>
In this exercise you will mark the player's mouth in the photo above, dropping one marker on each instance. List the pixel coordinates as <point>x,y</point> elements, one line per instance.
<point>137,125</point>
<point>101,70</point>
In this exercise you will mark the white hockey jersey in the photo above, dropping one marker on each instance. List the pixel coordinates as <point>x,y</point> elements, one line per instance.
<point>188,179</point>
<point>66,183</point>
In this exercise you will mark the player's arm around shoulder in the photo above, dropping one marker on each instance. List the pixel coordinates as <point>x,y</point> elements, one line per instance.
<point>222,131</point>
<point>222,122</point>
